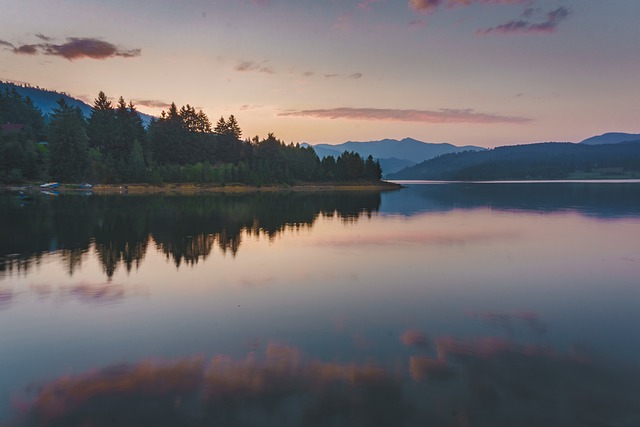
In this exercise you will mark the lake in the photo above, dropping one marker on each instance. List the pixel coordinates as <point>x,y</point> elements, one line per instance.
<point>441,304</point>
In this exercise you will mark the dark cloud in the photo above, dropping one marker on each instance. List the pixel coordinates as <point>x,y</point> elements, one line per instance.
<point>74,48</point>
<point>527,23</point>
<point>397,115</point>
<point>245,66</point>
<point>308,73</point>
<point>356,75</point>
<point>26,49</point>
<point>330,76</point>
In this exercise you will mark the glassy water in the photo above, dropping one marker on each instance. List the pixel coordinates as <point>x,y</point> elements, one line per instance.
<point>439,304</point>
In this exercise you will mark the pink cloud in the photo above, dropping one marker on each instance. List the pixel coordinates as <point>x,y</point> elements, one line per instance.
<point>397,115</point>
<point>424,5</point>
<point>432,5</point>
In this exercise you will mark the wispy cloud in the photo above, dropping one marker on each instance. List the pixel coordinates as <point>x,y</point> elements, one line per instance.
<point>73,48</point>
<point>331,76</point>
<point>7,45</point>
<point>355,75</point>
<point>432,5</point>
<point>531,21</point>
<point>397,115</point>
<point>247,66</point>
<point>43,37</point>
<point>366,4</point>
<point>152,103</point>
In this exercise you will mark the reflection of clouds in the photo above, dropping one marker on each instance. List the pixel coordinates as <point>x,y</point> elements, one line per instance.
<point>100,293</point>
<point>508,320</point>
<point>85,292</point>
<point>487,381</point>
<point>413,337</point>
<point>6,298</point>
<point>423,369</point>
<point>222,391</point>
<point>423,238</point>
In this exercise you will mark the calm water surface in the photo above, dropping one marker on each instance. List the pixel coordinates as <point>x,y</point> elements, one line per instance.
<point>439,304</point>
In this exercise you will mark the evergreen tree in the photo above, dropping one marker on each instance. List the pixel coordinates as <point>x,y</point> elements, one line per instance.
<point>233,128</point>
<point>221,126</point>
<point>101,125</point>
<point>68,144</point>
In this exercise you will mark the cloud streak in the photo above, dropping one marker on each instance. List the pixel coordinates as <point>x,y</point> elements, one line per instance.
<point>248,66</point>
<point>527,24</point>
<point>397,115</point>
<point>432,5</point>
<point>152,103</point>
<point>73,48</point>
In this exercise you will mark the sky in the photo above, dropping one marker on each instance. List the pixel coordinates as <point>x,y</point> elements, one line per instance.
<point>467,72</point>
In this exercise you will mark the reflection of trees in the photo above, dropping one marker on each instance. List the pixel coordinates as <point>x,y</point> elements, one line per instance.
<point>478,382</point>
<point>184,228</point>
<point>604,200</point>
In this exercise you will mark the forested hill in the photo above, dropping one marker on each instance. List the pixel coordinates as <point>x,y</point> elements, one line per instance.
<point>47,100</point>
<point>113,146</point>
<point>532,161</point>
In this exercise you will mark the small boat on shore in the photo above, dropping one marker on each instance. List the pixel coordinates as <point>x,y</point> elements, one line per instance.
<point>50,185</point>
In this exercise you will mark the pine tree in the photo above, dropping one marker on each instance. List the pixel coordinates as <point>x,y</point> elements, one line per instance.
<point>233,128</point>
<point>68,143</point>
<point>102,124</point>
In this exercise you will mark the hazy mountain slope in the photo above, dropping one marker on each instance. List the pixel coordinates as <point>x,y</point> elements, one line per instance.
<point>531,161</point>
<point>612,138</point>
<point>393,165</point>
<point>407,149</point>
<point>47,100</point>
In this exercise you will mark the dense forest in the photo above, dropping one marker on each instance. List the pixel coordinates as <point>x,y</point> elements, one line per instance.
<point>532,161</point>
<point>182,145</point>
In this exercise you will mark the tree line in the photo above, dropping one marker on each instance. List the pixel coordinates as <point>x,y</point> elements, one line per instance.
<point>112,145</point>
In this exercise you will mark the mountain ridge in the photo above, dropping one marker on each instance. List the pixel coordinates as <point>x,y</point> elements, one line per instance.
<point>611,138</point>
<point>393,155</point>
<point>46,100</point>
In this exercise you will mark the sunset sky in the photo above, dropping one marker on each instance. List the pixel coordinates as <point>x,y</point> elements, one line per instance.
<point>482,72</point>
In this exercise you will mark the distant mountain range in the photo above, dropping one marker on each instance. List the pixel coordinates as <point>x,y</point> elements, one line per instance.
<point>612,138</point>
<point>393,155</point>
<point>47,100</point>
<point>551,160</point>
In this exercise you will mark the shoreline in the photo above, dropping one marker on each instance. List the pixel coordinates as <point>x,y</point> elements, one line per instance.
<point>193,188</point>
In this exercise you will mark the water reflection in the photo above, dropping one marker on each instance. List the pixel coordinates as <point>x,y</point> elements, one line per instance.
<point>602,200</point>
<point>482,381</point>
<point>184,228</point>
